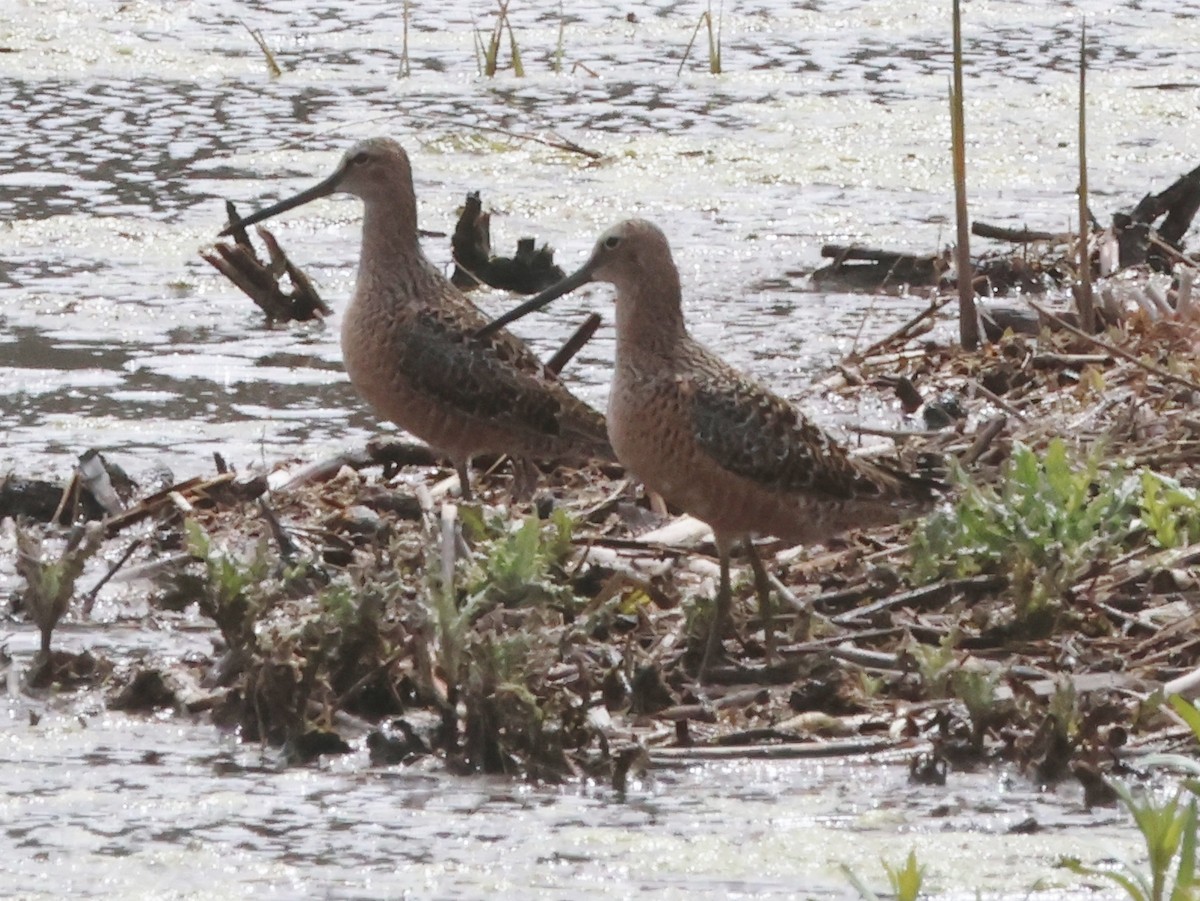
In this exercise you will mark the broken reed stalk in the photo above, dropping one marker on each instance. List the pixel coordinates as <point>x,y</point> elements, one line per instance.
<point>513,50</point>
<point>562,35</point>
<point>714,41</point>
<point>405,67</point>
<point>89,599</point>
<point>968,321</point>
<point>272,66</point>
<point>704,16</point>
<point>901,334</point>
<point>448,625</point>
<point>1087,310</point>
<point>574,344</point>
<point>1183,297</point>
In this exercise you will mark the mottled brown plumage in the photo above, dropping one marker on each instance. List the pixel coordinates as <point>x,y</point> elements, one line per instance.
<point>408,337</point>
<point>711,440</point>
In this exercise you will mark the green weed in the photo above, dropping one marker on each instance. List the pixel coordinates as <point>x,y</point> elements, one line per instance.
<point>1181,763</point>
<point>1188,712</point>
<point>905,880</point>
<point>1169,830</point>
<point>50,584</point>
<point>935,665</point>
<point>288,673</point>
<point>978,693</point>
<point>1049,521</point>
<point>522,567</point>
<point>494,618</point>
<point>451,619</point>
<point>487,54</point>
<point>229,590</point>
<point>510,722</point>
<point>1169,511</point>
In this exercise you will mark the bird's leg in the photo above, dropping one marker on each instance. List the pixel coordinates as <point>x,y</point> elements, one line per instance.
<point>525,478</point>
<point>722,611</point>
<point>463,468</point>
<point>762,587</point>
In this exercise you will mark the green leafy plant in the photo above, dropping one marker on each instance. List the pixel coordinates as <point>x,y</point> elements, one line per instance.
<point>497,628</point>
<point>452,620</point>
<point>905,879</point>
<point>230,589</point>
<point>513,568</point>
<point>1047,522</point>
<point>978,691</point>
<point>935,665</point>
<point>1169,511</point>
<point>1181,763</point>
<point>510,720</point>
<point>1169,830</point>
<point>50,583</point>
<point>1187,712</point>
<point>523,566</point>
<point>487,54</point>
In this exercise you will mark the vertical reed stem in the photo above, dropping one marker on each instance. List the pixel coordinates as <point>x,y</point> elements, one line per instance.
<point>405,68</point>
<point>968,321</point>
<point>1083,297</point>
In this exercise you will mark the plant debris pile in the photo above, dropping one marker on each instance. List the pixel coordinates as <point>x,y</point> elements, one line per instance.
<point>1033,617</point>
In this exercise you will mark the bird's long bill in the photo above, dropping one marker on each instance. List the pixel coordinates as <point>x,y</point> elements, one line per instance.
<point>566,286</point>
<point>324,189</point>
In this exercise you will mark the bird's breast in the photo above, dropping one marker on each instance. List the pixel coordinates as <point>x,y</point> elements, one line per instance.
<point>649,425</point>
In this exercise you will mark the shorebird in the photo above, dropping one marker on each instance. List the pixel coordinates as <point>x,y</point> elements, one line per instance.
<point>408,337</point>
<point>711,440</point>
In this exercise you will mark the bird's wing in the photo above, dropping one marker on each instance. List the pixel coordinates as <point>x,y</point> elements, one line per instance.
<point>754,433</point>
<point>500,381</point>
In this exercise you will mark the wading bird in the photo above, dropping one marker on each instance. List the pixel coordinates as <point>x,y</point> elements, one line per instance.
<point>713,441</point>
<point>408,337</point>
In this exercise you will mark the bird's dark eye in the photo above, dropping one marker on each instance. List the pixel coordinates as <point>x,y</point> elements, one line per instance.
<point>359,158</point>
<point>611,242</point>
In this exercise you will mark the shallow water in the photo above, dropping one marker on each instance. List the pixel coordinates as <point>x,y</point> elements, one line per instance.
<point>101,805</point>
<point>129,125</point>
<point>126,128</point>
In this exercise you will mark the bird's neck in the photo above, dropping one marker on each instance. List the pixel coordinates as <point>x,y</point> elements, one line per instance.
<point>650,317</point>
<point>391,261</point>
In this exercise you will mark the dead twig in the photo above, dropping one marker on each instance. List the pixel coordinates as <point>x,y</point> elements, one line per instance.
<point>1113,349</point>
<point>899,335</point>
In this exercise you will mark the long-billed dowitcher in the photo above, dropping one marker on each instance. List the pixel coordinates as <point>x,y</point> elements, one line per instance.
<point>713,441</point>
<point>408,337</point>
